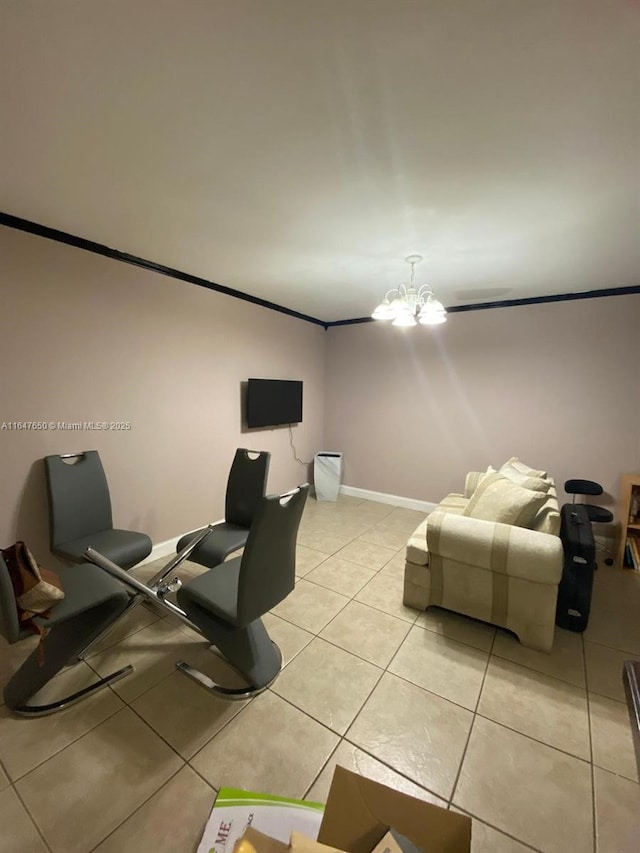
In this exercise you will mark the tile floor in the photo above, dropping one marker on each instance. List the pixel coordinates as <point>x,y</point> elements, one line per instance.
<point>537,748</point>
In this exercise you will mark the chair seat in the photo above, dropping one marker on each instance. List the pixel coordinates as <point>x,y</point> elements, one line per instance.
<point>214,592</point>
<point>125,548</point>
<point>224,539</point>
<point>85,587</point>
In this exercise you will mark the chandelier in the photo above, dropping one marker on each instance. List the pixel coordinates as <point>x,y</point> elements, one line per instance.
<point>406,306</point>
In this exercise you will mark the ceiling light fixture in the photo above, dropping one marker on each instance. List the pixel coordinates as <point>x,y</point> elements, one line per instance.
<point>406,306</point>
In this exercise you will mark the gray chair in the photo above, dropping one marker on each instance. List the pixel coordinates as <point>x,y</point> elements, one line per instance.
<point>80,512</point>
<point>246,487</point>
<point>92,602</point>
<point>227,606</point>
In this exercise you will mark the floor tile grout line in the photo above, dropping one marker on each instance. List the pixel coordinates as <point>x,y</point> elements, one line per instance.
<point>635,655</point>
<point>539,671</point>
<point>241,706</point>
<point>333,589</point>
<point>606,696</point>
<point>4,769</point>
<point>534,739</point>
<point>137,809</point>
<point>355,654</point>
<point>523,666</point>
<point>418,624</point>
<point>501,831</point>
<point>594,833</point>
<point>394,769</point>
<point>344,734</point>
<point>200,776</point>
<point>372,606</point>
<point>71,742</point>
<point>322,768</point>
<point>473,720</point>
<point>31,818</point>
<point>173,749</point>
<point>462,758</point>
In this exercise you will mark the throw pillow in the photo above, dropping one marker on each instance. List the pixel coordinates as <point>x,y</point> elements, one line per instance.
<point>536,484</point>
<point>498,499</point>
<point>525,469</point>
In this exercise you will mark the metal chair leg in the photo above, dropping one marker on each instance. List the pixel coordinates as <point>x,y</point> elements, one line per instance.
<point>52,707</point>
<point>228,693</point>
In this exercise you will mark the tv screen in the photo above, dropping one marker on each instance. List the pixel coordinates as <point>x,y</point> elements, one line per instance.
<point>273,402</point>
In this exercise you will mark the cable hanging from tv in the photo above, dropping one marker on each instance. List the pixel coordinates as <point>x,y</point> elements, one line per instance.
<point>295,453</point>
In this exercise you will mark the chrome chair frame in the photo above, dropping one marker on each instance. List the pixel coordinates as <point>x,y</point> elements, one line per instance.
<point>140,591</point>
<point>156,593</point>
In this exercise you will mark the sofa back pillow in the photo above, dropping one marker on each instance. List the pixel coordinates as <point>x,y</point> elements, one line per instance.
<point>536,484</point>
<point>515,462</point>
<point>547,519</point>
<point>498,499</point>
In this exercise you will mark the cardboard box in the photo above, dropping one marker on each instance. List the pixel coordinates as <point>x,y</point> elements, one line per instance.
<point>234,811</point>
<point>359,812</point>
<point>358,815</point>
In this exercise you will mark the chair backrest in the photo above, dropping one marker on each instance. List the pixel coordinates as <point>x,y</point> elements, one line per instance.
<point>246,486</point>
<point>267,570</point>
<point>79,502</point>
<point>9,625</point>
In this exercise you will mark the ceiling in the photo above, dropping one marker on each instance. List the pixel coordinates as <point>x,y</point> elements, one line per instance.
<point>298,150</point>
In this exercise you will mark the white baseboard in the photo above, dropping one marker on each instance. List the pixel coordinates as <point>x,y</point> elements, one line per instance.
<point>382,498</point>
<point>168,548</point>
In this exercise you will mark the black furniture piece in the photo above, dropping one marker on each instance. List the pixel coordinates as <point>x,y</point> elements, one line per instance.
<point>226,607</point>
<point>576,584</point>
<point>80,512</point>
<point>597,514</point>
<point>246,487</point>
<point>92,602</point>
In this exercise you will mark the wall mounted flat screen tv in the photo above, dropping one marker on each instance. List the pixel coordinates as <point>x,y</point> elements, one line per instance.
<point>273,402</point>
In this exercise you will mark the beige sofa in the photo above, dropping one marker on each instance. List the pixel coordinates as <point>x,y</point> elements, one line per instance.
<point>499,572</point>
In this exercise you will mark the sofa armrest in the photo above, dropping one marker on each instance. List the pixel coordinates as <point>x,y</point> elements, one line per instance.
<point>471,481</point>
<point>497,547</point>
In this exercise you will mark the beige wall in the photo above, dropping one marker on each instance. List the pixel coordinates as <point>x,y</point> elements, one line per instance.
<point>556,384</point>
<point>85,338</point>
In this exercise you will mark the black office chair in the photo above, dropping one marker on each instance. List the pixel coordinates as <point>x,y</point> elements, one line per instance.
<point>80,512</point>
<point>246,487</point>
<point>596,514</point>
<point>92,601</point>
<point>227,606</point>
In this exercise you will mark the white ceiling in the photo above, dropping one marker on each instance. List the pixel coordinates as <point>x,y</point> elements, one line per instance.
<point>298,150</point>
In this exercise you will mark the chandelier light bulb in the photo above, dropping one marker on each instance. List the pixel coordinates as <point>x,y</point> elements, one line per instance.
<point>404,319</point>
<point>407,306</point>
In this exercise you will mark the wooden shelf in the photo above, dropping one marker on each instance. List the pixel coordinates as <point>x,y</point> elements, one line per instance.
<point>629,485</point>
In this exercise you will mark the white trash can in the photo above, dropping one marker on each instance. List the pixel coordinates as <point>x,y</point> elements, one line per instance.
<point>327,471</point>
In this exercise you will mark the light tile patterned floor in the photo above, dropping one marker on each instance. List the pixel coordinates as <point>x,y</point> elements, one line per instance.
<point>537,748</point>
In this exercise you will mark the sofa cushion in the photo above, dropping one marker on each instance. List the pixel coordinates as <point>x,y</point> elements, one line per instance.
<point>453,503</point>
<point>417,546</point>
<point>536,484</point>
<point>498,499</point>
<point>516,463</point>
<point>547,519</point>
